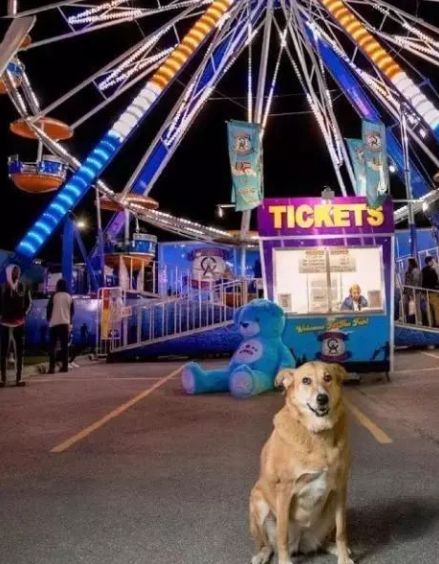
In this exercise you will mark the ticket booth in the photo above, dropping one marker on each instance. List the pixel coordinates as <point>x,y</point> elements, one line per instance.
<point>330,266</point>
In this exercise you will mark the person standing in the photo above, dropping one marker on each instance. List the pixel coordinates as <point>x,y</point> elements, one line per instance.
<point>430,281</point>
<point>412,281</point>
<point>60,311</point>
<point>15,304</point>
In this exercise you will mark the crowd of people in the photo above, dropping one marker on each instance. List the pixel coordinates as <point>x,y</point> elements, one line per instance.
<point>15,304</point>
<point>421,292</point>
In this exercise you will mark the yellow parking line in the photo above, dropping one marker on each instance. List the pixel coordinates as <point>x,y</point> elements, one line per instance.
<point>62,447</point>
<point>378,434</point>
<point>432,355</point>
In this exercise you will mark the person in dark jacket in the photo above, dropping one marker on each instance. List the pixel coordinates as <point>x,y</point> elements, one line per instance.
<point>60,310</point>
<point>430,281</point>
<point>15,303</point>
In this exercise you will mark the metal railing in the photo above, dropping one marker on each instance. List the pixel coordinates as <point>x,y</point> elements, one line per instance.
<point>418,307</point>
<point>163,280</point>
<point>433,252</point>
<point>401,262</point>
<point>206,308</point>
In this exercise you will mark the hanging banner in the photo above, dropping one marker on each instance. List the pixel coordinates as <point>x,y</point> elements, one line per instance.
<point>245,152</point>
<point>356,151</point>
<point>376,163</point>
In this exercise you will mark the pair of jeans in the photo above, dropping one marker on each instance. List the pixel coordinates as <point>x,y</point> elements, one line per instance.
<point>17,333</point>
<point>59,333</point>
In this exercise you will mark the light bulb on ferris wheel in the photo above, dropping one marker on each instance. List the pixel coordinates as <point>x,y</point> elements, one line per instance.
<point>325,42</point>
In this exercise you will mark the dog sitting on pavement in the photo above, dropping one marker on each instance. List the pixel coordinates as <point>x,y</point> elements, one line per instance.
<point>300,496</point>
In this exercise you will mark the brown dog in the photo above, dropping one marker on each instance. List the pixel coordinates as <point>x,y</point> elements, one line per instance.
<point>300,497</point>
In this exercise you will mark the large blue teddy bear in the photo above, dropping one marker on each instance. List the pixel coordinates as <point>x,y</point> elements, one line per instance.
<point>255,363</point>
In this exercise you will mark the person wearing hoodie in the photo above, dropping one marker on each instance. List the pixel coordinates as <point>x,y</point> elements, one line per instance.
<point>60,310</point>
<point>15,303</point>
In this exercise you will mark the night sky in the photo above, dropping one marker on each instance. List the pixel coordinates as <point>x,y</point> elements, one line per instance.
<point>295,158</point>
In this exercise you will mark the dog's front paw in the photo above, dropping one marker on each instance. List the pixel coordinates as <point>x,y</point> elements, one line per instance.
<point>263,557</point>
<point>331,548</point>
<point>345,560</point>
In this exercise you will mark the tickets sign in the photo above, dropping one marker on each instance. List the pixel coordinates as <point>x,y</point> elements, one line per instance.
<point>313,216</point>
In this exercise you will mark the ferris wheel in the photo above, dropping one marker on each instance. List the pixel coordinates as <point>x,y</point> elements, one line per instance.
<point>369,48</point>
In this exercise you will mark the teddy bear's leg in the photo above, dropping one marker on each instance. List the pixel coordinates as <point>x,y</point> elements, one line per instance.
<point>245,382</point>
<point>195,380</point>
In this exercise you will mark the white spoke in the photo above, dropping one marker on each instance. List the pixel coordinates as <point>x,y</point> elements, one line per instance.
<point>401,35</point>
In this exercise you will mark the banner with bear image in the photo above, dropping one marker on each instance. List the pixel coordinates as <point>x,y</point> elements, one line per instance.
<point>245,153</point>
<point>356,152</point>
<point>376,162</point>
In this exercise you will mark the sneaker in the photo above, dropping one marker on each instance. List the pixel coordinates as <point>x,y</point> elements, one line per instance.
<point>20,383</point>
<point>2,384</point>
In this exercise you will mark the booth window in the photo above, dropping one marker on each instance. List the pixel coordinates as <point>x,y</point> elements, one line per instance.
<point>325,280</point>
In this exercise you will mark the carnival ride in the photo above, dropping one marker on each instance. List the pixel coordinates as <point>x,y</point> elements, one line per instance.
<point>368,47</point>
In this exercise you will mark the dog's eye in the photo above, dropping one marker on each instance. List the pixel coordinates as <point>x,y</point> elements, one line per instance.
<point>327,378</point>
<point>306,381</point>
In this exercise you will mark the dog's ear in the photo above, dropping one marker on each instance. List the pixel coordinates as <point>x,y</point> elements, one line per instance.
<point>339,373</point>
<point>284,378</point>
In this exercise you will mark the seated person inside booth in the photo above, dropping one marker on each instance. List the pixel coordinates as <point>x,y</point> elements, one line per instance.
<point>355,301</point>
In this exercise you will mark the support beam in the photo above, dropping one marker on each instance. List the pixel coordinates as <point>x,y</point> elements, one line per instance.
<point>67,251</point>
<point>14,37</point>
<point>160,153</point>
<point>259,103</point>
<point>93,280</point>
<point>258,114</point>
<point>12,8</point>
<point>100,157</point>
<point>384,62</point>
<point>365,108</point>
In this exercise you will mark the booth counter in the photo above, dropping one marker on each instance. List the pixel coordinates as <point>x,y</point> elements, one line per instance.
<point>330,266</point>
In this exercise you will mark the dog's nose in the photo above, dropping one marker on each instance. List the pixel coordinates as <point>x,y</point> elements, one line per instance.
<point>245,325</point>
<point>322,399</point>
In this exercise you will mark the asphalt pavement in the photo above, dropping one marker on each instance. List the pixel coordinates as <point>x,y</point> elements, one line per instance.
<point>113,464</point>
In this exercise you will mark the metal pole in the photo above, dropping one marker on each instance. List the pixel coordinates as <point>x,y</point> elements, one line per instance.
<point>67,251</point>
<point>12,7</point>
<point>13,38</point>
<point>40,151</point>
<point>258,113</point>
<point>100,237</point>
<point>127,227</point>
<point>408,182</point>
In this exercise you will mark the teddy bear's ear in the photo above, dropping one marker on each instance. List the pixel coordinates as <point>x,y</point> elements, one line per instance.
<point>237,314</point>
<point>284,378</point>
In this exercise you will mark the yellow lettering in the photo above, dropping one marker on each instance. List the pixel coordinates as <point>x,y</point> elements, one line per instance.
<point>291,217</point>
<point>278,212</point>
<point>358,210</point>
<point>322,216</point>
<point>375,217</point>
<point>304,216</point>
<point>341,217</point>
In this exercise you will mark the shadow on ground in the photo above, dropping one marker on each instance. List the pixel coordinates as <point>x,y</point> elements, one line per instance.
<point>390,523</point>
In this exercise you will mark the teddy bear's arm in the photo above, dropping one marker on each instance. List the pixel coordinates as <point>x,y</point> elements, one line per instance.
<point>286,358</point>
